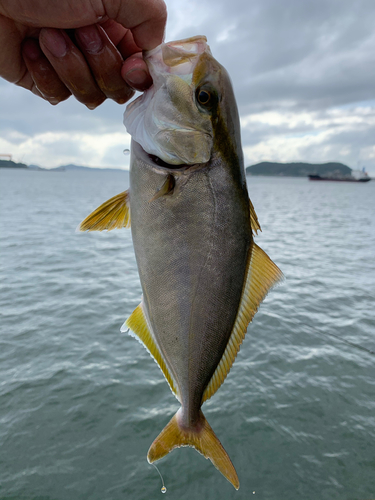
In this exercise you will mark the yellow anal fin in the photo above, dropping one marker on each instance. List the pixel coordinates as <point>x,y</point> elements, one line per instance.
<point>112,214</point>
<point>137,323</point>
<point>262,274</point>
<point>202,438</point>
<point>255,226</point>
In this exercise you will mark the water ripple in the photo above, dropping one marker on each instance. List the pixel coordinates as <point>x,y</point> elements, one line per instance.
<point>81,402</point>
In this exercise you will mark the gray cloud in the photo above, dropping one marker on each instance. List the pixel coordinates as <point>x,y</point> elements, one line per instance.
<point>290,57</point>
<point>30,115</point>
<point>312,54</point>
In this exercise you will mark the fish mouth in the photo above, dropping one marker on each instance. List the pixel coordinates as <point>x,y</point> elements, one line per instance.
<point>155,160</point>
<point>159,164</point>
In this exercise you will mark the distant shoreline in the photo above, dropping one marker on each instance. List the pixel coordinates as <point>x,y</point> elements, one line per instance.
<point>264,169</point>
<point>63,168</point>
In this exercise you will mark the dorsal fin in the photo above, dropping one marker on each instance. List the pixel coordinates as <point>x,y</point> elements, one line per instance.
<point>137,323</point>
<point>261,275</point>
<point>255,226</point>
<point>112,214</point>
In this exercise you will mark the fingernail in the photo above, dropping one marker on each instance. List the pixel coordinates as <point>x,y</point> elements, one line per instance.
<point>55,42</point>
<point>90,38</point>
<point>138,78</point>
<point>31,49</point>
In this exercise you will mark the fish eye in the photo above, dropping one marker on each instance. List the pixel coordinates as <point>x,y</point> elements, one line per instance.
<point>204,97</point>
<point>207,98</point>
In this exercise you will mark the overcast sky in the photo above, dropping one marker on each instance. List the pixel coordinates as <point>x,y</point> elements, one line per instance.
<point>303,73</point>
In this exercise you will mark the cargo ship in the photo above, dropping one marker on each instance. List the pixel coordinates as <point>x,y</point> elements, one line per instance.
<point>356,176</point>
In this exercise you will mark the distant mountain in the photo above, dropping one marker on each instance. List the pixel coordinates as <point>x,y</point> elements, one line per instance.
<point>11,164</point>
<point>71,166</point>
<point>36,167</point>
<point>297,169</point>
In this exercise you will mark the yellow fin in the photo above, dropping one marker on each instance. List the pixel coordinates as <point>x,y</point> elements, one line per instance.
<point>255,226</point>
<point>138,324</point>
<point>167,187</point>
<point>202,438</point>
<point>112,214</point>
<point>262,274</point>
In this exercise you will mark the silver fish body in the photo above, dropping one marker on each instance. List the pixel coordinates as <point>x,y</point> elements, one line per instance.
<point>192,250</point>
<point>202,275</point>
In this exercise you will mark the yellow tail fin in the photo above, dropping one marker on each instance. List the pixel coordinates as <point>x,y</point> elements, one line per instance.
<point>202,438</point>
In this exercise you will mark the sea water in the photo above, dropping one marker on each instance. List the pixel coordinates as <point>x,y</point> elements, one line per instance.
<point>81,402</point>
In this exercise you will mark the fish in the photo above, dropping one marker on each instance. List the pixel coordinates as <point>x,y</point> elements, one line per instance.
<point>193,225</point>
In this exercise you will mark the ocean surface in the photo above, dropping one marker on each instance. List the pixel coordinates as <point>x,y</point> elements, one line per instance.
<point>80,402</point>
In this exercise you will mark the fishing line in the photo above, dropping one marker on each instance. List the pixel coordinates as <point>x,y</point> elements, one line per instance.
<point>163,488</point>
<point>352,344</point>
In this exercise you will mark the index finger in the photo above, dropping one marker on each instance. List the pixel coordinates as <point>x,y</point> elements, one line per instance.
<point>145,18</point>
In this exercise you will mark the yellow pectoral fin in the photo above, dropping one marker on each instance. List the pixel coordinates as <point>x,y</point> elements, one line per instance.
<point>262,274</point>
<point>255,226</point>
<point>137,323</point>
<point>167,188</point>
<point>113,214</point>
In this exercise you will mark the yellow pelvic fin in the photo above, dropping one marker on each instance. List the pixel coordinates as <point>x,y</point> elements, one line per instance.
<point>167,187</point>
<point>112,214</point>
<point>138,324</point>
<point>262,274</point>
<point>202,438</point>
<point>255,226</point>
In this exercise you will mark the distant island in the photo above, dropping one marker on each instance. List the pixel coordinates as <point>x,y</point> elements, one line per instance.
<point>62,168</point>
<point>297,169</point>
<point>11,164</point>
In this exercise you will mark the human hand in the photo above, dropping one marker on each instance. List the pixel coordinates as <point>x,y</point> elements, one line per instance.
<point>92,50</point>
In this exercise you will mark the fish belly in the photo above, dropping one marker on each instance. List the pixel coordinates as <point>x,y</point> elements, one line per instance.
<point>192,248</point>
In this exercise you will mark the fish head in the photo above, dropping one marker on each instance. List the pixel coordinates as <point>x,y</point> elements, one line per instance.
<point>189,114</point>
